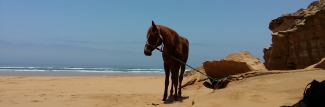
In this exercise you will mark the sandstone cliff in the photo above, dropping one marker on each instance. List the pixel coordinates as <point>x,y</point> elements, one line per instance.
<point>298,39</point>
<point>320,64</point>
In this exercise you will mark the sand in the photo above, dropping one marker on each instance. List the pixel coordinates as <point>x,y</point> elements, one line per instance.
<point>273,90</point>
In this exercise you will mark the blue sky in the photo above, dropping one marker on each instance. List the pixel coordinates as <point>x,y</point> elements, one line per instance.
<point>112,33</point>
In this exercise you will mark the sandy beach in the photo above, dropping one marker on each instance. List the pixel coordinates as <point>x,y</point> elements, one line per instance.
<point>59,53</point>
<point>273,90</point>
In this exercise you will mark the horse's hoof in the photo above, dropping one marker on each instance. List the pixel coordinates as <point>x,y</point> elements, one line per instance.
<point>164,99</point>
<point>175,97</point>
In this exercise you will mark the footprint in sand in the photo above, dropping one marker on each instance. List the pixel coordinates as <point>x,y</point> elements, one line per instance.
<point>42,95</point>
<point>154,104</point>
<point>258,99</point>
<point>36,101</point>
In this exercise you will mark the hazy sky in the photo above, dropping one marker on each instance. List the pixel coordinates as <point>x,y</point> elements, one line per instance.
<point>112,33</point>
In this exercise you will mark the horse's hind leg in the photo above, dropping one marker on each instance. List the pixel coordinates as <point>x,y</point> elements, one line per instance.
<point>181,79</point>
<point>167,71</point>
<point>171,88</point>
<point>175,71</point>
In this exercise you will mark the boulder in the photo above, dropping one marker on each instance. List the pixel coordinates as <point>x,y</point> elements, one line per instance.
<point>235,63</point>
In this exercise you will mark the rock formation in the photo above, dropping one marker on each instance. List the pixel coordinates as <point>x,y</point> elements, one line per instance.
<point>298,39</point>
<point>235,63</point>
<point>320,64</point>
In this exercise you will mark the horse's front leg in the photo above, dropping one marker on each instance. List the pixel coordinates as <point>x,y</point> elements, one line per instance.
<point>167,71</point>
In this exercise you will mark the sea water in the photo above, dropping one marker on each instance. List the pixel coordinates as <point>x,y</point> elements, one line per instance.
<point>80,71</point>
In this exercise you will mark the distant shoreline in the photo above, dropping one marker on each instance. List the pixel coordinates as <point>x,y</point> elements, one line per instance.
<point>80,71</point>
<point>36,73</point>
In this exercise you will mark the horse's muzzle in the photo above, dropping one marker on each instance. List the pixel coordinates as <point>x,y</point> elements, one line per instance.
<point>147,52</point>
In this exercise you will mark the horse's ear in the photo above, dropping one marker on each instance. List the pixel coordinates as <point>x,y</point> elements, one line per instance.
<point>153,23</point>
<point>153,26</point>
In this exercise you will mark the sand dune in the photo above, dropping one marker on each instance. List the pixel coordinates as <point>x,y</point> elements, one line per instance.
<point>273,90</point>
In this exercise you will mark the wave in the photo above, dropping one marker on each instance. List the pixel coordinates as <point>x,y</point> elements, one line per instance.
<point>76,69</point>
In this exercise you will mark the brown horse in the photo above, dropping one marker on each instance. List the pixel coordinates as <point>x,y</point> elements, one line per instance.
<point>174,45</point>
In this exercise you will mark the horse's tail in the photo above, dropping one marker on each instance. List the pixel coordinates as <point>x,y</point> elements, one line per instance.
<point>188,49</point>
<point>188,45</point>
<point>186,41</point>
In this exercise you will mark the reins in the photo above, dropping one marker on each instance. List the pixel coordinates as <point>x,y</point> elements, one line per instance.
<point>214,81</point>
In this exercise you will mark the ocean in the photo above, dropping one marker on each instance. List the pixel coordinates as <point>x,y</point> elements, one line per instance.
<point>80,71</point>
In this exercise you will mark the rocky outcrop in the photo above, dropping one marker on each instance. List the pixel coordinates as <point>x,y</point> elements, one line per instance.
<point>253,63</point>
<point>224,68</point>
<point>320,64</point>
<point>298,39</point>
<point>235,63</point>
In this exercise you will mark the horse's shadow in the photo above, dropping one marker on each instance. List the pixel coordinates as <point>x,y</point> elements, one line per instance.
<point>208,85</point>
<point>171,99</point>
<point>220,85</point>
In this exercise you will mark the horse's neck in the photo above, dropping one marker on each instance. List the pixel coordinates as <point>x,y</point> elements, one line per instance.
<point>170,42</point>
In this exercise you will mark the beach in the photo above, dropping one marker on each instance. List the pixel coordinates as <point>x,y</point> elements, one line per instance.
<point>58,53</point>
<point>273,90</point>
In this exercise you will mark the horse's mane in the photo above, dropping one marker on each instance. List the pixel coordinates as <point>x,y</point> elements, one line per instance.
<point>170,37</point>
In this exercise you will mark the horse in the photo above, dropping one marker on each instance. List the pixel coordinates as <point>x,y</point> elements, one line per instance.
<point>174,46</point>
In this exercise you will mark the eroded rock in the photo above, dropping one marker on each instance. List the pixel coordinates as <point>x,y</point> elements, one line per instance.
<point>320,64</point>
<point>298,39</point>
<point>235,63</point>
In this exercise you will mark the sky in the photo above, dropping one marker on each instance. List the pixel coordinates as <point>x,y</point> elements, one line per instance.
<point>112,33</point>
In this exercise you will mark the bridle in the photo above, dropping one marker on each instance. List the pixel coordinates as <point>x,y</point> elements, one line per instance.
<point>155,46</point>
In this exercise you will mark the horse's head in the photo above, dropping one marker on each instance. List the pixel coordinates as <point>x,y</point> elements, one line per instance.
<point>154,39</point>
